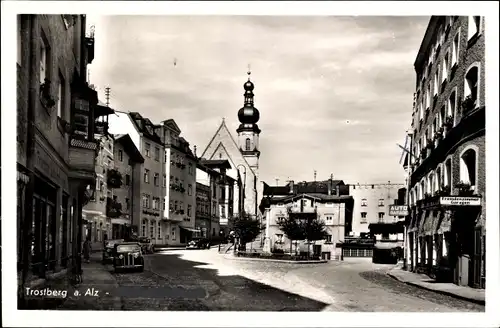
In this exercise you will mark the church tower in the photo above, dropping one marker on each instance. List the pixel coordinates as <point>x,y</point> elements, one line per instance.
<point>248,131</point>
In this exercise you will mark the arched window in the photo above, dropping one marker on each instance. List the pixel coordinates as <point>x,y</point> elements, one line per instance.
<point>439,181</point>
<point>431,184</point>
<point>447,173</point>
<point>424,191</point>
<point>471,84</point>
<point>452,101</point>
<point>152,230</point>
<point>473,26</point>
<point>468,167</point>
<point>247,144</point>
<point>159,230</point>
<point>144,227</point>
<point>100,232</point>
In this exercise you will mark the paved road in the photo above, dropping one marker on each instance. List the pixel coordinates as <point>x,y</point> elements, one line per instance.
<point>201,280</point>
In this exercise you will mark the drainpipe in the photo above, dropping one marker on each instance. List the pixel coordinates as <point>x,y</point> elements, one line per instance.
<point>34,89</point>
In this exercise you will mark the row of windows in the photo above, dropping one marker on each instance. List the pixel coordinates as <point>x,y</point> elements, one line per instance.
<point>178,206</point>
<point>152,229</point>
<point>155,204</point>
<point>178,159</point>
<point>364,202</point>
<point>364,216</point>
<point>440,180</point>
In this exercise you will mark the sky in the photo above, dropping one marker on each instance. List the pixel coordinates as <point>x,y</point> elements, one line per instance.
<point>334,93</point>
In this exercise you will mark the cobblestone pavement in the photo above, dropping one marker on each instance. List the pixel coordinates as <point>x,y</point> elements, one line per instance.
<point>203,280</point>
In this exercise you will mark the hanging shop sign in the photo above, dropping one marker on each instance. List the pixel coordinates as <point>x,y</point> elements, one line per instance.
<point>398,210</point>
<point>460,201</point>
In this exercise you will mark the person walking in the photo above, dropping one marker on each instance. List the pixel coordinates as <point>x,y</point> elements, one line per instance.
<point>87,248</point>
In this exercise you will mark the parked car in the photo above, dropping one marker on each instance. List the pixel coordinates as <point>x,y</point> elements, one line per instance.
<point>107,252</point>
<point>198,243</point>
<point>128,256</point>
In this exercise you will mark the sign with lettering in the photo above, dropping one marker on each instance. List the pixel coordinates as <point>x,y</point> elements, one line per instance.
<point>460,201</point>
<point>398,210</point>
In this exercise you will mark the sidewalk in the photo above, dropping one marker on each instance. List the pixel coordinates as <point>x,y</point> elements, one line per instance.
<point>423,281</point>
<point>96,291</point>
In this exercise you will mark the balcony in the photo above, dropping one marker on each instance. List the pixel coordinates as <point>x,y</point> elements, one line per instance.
<point>113,208</point>
<point>174,216</point>
<point>115,179</point>
<point>82,158</point>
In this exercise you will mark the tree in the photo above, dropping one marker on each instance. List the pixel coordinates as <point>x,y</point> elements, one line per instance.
<point>293,229</point>
<point>246,228</point>
<point>315,230</point>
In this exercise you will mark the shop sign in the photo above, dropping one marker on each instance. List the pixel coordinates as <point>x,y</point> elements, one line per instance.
<point>460,201</point>
<point>398,210</point>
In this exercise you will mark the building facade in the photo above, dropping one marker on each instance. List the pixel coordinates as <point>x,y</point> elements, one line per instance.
<point>328,200</point>
<point>371,205</point>
<point>56,148</point>
<point>126,199</point>
<point>446,226</point>
<point>242,153</point>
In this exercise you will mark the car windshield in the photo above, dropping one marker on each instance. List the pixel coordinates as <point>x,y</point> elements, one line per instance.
<point>128,248</point>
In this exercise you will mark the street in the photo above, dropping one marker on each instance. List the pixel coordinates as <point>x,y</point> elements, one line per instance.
<point>203,280</point>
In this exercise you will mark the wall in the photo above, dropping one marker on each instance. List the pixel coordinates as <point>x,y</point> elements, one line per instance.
<point>387,192</point>
<point>120,123</point>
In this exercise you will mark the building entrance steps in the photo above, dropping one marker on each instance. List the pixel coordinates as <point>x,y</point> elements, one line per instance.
<point>450,289</point>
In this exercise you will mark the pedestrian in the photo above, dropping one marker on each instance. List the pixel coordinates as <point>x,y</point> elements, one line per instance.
<point>87,247</point>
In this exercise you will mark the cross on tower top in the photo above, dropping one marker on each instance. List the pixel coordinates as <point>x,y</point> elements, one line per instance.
<point>249,72</point>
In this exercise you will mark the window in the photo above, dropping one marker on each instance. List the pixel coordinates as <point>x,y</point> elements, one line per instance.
<point>381,202</point>
<point>421,108</point>
<point>364,202</point>
<point>157,154</point>
<point>190,169</point>
<point>156,179</point>
<point>442,116</point>
<point>165,156</point>
<point>381,215</point>
<point>145,200</point>
<point>163,204</point>
<point>176,207</point>
<point>436,81</point>
<point>280,219</point>
<point>61,92</point>
<point>146,175</point>
<point>279,238</point>
<point>44,60</point>
<point>144,227</point>
<point>152,231</point>
<point>164,180</point>
<point>455,50</point>
<point>172,233</point>
<point>328,238</point>
<point>363,217</point>
<point>447,172</point>
<point>247,144</point>
<point>159,230</point>
<point>120,155</point>
<point>452,104</point>
<point>127,203</point>
<point>147,149</point>
<point>127,180</point>
<point>473,26</point>
<point>446,62</point>
<point>468,167</point>
<point>189,209</point>
<point>471,84</point>
<point>155,203</point>
<point>190,190</point>
<point>428,97</point>
<point>19,40</point>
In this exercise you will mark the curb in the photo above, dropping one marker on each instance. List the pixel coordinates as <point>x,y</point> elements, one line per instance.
<point>472,300</point>
<point>273,260</point>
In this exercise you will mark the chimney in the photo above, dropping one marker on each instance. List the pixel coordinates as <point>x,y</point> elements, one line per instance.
<point>290,183</point>
<point>330,184</point>
<point>337,190</point>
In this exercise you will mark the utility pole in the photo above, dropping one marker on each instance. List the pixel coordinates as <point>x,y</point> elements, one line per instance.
<point>107,92</point>
<point>315,175</point>
<point>277,181</point>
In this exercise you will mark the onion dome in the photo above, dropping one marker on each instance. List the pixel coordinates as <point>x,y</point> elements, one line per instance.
<point>248,114</point>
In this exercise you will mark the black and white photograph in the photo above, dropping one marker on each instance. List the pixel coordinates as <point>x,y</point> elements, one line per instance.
<point>218,163</point>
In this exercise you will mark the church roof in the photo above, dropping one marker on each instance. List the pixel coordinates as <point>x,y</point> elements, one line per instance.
<point>223,125</point>
<point>219,163</point>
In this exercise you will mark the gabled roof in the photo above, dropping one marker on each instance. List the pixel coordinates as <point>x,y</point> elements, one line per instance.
<point>223,125</point>
<point>170,123</point>
<point>142,123</point>
<point>129,147</point>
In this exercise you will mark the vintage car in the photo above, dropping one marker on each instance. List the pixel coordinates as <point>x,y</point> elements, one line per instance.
<point>107,252</point>
<point>198,243</point>
<point>128,256</point>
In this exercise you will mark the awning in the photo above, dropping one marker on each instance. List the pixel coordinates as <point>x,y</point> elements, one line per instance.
<point>190,229</point>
